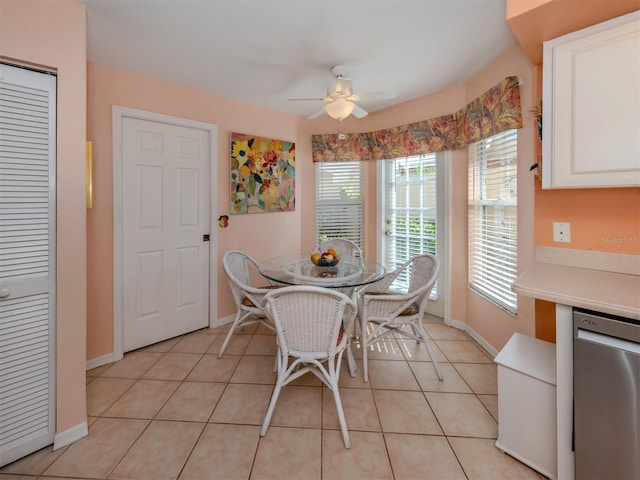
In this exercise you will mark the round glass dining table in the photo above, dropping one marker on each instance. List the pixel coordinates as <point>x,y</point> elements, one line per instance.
<point>299,270</point>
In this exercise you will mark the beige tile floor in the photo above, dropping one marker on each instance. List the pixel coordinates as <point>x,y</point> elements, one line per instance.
<point>174,410</point>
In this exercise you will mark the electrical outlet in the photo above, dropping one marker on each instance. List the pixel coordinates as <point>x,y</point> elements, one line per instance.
<point>562,232</point>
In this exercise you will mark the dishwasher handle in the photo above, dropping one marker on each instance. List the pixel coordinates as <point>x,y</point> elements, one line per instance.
<point>606,340</point>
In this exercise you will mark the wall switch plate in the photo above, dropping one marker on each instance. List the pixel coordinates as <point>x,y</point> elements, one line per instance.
<point>562,232</point>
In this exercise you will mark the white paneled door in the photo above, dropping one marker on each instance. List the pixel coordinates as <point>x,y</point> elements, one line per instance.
<point>165,229</point>
<point>27,261</point>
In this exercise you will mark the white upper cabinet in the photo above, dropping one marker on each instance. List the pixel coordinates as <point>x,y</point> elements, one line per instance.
<point>591,106</point>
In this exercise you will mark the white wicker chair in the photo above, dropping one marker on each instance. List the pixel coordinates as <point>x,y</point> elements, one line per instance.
<point>390,311</point>
<point>310,324</point>
<point>247,297</point>
<point>343,246</point>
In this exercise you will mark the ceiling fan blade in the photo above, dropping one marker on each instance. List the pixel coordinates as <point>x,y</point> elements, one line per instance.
<point>307,99</point>
<point>367,96</point>
<point>343,86</point>
<point>359,112</point>
<point>316,114</point>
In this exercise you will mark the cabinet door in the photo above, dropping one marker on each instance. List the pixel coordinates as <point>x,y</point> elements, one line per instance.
<point>592,106</point>
<point>27,261</point>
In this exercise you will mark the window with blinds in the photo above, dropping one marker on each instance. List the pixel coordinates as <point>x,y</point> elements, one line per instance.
<point>339,202</point>
<point>493,218</point>
<point>410,211</point>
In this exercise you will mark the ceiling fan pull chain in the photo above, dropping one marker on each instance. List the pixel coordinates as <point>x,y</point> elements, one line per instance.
<point>341,135</point>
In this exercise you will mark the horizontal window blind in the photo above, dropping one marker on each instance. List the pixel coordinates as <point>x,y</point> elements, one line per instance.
<point>339,202</point>
<point>493,218</point>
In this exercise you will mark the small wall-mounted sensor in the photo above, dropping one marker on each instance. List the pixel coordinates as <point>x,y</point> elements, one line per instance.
<point>562,232</point>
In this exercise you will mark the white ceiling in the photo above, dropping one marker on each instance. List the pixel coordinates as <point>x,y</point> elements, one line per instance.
<point>265,51</point>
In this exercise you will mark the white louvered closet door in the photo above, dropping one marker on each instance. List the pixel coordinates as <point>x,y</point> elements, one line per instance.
<point>27,261</point>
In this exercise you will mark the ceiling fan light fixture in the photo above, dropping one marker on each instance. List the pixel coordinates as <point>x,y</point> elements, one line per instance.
<point>340,108</point>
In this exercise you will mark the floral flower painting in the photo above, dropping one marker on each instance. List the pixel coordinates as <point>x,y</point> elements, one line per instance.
<point>263,174</point>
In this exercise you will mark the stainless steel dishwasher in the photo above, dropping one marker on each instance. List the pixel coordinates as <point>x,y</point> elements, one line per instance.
<point>606,380</point>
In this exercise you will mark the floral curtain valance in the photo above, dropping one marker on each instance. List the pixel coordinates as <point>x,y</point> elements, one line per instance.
<point>493,112</point>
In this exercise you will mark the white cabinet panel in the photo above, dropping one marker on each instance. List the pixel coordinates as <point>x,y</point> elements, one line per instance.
<point>27,261</point>
<point>591,104</point>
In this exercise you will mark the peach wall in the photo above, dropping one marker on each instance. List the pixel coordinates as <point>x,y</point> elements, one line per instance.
<point>602,220</point>
<point>261,235</point>
<point>518,7</point>
<point>606,220</point>
<point>51,34</point>
<point>492,323</point>
<point>424,107</point>
<point>430,106</point>
<point>459,246</point>
<point>322,124</point>
<point>534,21</point>
<point>108,86</point>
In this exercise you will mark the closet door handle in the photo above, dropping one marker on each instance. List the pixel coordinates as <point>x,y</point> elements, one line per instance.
<point>4,292</point>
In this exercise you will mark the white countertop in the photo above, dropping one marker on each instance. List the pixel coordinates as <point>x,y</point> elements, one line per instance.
<point>602,291</point>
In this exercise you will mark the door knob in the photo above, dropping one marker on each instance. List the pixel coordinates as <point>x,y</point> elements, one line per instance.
<point>4,292</point>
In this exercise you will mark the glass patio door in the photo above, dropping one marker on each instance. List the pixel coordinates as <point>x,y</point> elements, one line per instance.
<point>411,221</point>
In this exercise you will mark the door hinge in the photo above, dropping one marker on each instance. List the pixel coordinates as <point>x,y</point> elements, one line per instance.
<point>205,238</point>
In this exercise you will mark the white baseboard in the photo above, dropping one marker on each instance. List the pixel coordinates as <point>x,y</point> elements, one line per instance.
<point>474,335</point>
<point>481,341</point>
<point>110,358</point>
<point>222,321</point>
<point>71,435</point>
<point>456,324</point>
<point>99,361</point>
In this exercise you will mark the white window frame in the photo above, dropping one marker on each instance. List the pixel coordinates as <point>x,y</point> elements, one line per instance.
<point>493,245</point>
<point>340,201</point>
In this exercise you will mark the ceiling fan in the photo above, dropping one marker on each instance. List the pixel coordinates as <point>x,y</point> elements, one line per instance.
<point>341,102</point>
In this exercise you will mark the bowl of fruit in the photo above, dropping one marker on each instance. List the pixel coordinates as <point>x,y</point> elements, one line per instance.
<point>330,258</point>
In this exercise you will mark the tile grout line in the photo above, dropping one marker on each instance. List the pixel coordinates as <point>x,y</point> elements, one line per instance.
<point>323,431</point>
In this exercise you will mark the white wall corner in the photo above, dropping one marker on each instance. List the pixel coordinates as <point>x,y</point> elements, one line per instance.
<point>71,435</point>
<point>100,361</point>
